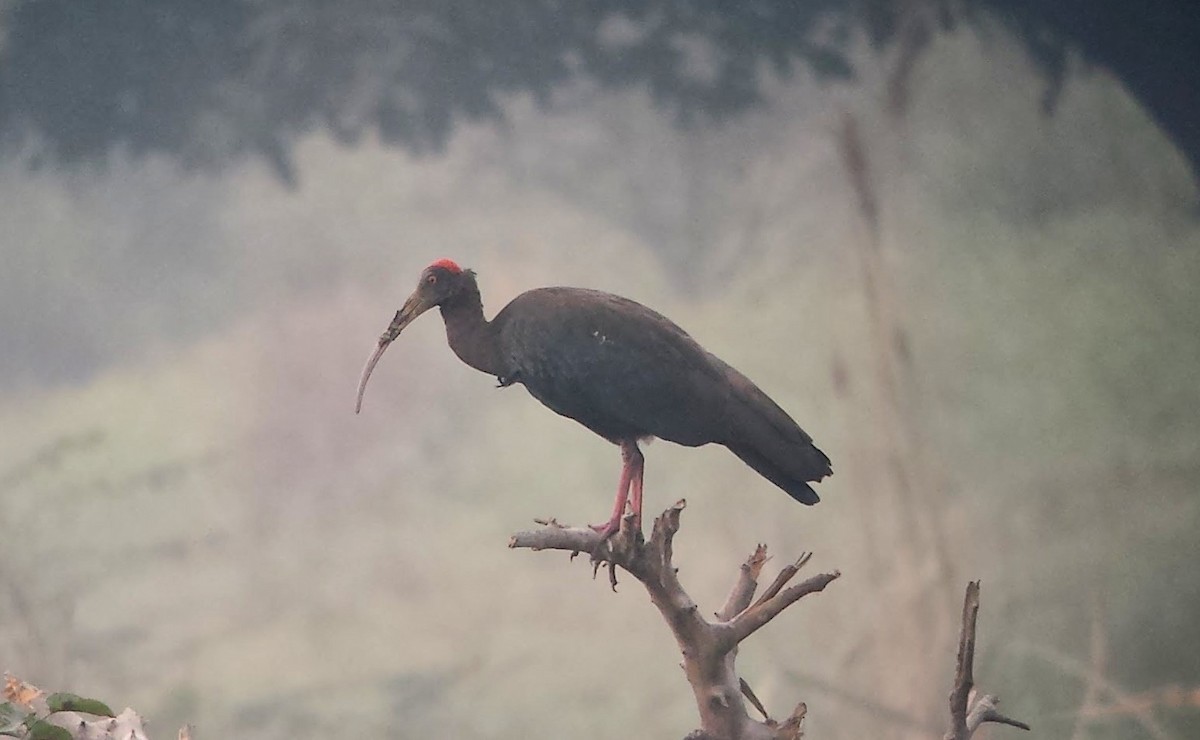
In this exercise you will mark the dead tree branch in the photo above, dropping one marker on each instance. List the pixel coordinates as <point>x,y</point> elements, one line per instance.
<point>969,710</point>
<point>709,648</point>
<point>1144,716</point>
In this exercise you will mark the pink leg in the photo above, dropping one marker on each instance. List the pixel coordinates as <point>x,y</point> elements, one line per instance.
<point>631,476</point>
<point>639,466</point>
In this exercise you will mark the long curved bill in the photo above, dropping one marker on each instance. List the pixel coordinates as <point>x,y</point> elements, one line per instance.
<point>413,307</point>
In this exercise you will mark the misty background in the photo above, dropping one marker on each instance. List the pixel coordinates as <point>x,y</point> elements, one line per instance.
<point>958,242</point>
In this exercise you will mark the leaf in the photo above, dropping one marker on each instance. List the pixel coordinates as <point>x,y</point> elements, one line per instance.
<point>40,729</point>
<point>19,692</point>
<point>64,702</point>
<point>12,718</point>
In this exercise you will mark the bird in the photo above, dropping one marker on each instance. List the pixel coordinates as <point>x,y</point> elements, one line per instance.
<point>622,370</point>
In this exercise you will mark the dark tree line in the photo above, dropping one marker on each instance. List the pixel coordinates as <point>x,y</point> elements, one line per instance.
<point>209,80</point>
<point>1153,47</point>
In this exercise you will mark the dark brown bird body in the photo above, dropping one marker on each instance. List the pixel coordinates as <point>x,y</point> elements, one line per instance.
<point>627,372</point>
<point>622,370</point>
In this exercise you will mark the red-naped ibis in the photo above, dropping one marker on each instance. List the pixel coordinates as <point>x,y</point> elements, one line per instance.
<point>620,369</point>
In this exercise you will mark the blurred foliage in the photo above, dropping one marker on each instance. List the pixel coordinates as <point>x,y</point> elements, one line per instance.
<point>25,714</point>
<point>68,702</point>
<point>1150,47</point>
<point>210,81</point>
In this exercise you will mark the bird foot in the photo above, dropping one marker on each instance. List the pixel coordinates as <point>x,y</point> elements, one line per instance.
<point>616,524</point>
<point>607,530</point>
<point>620,541</point>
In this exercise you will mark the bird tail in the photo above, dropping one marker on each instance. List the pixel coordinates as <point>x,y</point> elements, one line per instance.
<point>796,486</point>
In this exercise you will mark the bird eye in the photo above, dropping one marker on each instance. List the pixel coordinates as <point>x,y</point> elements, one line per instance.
<point>431,279</point>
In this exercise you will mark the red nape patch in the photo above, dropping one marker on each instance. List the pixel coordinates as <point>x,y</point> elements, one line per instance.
<point>447,265</point>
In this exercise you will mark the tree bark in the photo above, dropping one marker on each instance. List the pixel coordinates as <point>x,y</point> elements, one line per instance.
<point>709,648</point>
<point>969,710</point>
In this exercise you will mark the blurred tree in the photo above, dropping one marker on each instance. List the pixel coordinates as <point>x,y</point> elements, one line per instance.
<point>1150,46</point>
<point>208,80</point>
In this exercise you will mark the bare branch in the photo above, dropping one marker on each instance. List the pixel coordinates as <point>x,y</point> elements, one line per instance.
<point>1099,661</point>
<point>964,680</point>
<point>557,537</point>
<point>753,699</point>
<point>1143,715</point>
<point>788,573</point>
<point>1171,696</point>
<point>709,649</point>
<point>749,621</point>
<point>747,582</point>
<point>985,709</point>
<point>792,727</point>
<point>969,710</point>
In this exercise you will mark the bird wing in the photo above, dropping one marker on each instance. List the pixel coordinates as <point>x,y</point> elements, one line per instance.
<point>625,371</point>
<point>767,439</point>
<point>616,366</point>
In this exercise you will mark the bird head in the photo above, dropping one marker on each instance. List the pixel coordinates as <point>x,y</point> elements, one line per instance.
<point>440,283</point>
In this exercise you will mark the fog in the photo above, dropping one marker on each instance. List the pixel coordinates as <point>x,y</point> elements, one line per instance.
<point>985,315</point>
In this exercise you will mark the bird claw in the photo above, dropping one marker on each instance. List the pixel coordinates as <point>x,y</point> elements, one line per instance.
<point>606,530</point>
<point>619,543</point>
<point>630,521</point>
<point>603,555</point>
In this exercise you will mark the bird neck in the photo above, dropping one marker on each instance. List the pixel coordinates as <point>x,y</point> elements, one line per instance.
<point>472,337</point>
